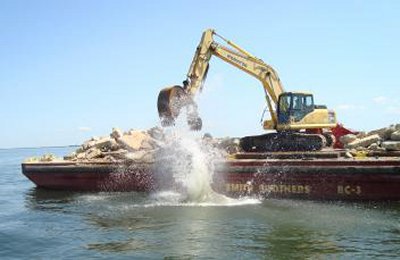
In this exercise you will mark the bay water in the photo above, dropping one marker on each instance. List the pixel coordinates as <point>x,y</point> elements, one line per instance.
<point>44,224</point>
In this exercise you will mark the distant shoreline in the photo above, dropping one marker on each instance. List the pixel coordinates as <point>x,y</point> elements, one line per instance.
<point>40,147</point>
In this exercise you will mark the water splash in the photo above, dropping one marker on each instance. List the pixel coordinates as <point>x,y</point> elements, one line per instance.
<point>189,160</point>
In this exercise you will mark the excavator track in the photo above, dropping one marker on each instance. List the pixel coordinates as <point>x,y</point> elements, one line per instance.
<point>282,142</point>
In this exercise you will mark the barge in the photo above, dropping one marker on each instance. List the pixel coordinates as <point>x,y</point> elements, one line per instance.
<point>316,176</point>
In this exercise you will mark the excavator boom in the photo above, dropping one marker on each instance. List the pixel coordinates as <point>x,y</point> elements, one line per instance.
<point>197,74</point>
<point>290,111</point>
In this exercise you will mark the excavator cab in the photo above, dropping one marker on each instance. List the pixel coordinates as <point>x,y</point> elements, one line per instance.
<point>294,106</point>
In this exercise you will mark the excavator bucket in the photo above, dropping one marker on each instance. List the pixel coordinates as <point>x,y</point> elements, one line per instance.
<point>170,102</point>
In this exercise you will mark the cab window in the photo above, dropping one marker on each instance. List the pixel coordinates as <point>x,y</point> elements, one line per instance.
<point>301,106</point>
<point>297,102</point>
<point>284,104</point>
<point>308,102</point>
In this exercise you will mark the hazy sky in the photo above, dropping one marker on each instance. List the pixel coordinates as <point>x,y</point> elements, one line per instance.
<point>73,69</point>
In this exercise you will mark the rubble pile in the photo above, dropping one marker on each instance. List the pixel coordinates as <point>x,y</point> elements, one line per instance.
<point>139,146</point>
<point>143,146</point>
<point>383,140</point>
<point>134,145</point>
<point>44,158</point>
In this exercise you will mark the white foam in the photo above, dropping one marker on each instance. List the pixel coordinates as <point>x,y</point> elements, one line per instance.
<point>191,162</point>
<point>175,199</point>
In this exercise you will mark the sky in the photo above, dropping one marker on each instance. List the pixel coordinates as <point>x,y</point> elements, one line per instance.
<point>74,69</point>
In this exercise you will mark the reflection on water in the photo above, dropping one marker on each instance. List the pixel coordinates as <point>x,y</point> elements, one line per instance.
<point>123,224</point>
<point>118,246</point>
<point>296,241</point>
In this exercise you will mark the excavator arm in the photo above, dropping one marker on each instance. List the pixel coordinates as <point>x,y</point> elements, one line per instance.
<point>295,110</point>
<point>172,99</point>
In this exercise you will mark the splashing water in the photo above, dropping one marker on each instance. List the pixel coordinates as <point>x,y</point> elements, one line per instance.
<point>195,176</point>
<point>190,162</point>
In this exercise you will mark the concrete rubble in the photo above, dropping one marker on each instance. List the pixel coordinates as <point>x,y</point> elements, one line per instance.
<point>44,158</point>
<point>385,139</point>
<point>391,145</point>
<point>364,142</point>
<point>143,146</point>
<point>139,146</point>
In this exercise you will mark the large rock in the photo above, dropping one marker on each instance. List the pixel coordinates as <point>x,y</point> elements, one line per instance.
<point>70,156</point>
<point>384,133</point>
<point>117,155</point>
<point>44,158</point>
<point>141,156</point>
<point>395,136</point>
<point>93,153</point>
<point>135,140</point>
<point>80,150</point>
<point>116,133</point>
<point>346,139</point>
<point>391,145</point>
<point>373,147</point>
<point>364,142</point>
<point>80,156</point>
<point>348,154</point>
<point>103,143</point>
<point>361,134</point>
<point>113,145</point>
<point>87,145</point>
<point>109,158</point>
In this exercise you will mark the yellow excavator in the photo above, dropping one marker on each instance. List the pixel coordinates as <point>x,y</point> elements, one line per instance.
<point>299,124</point>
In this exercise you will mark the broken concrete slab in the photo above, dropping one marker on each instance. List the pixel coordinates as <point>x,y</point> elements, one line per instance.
<point>132,141</point>
<point>70,156</point>
<point>364,142</point>
<point>395,136</point>
<point>142,156</point>
<point>109,158</point>
<point>384,133</point>
<point>44,158</point>
<point>80,156</point>
<point>93,153</point>
<point>348,155</point>
<point>87,145</point>
<point>391,145</point>
<point>118,154</point>
<point>361,134</point>
<point>373,147</point>
<point>346,139</point>
<point>137,140</point>
<point>103,143</point>
<point>116,133</point>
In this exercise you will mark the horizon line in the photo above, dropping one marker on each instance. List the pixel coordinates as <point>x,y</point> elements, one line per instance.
<point>36,147</point>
